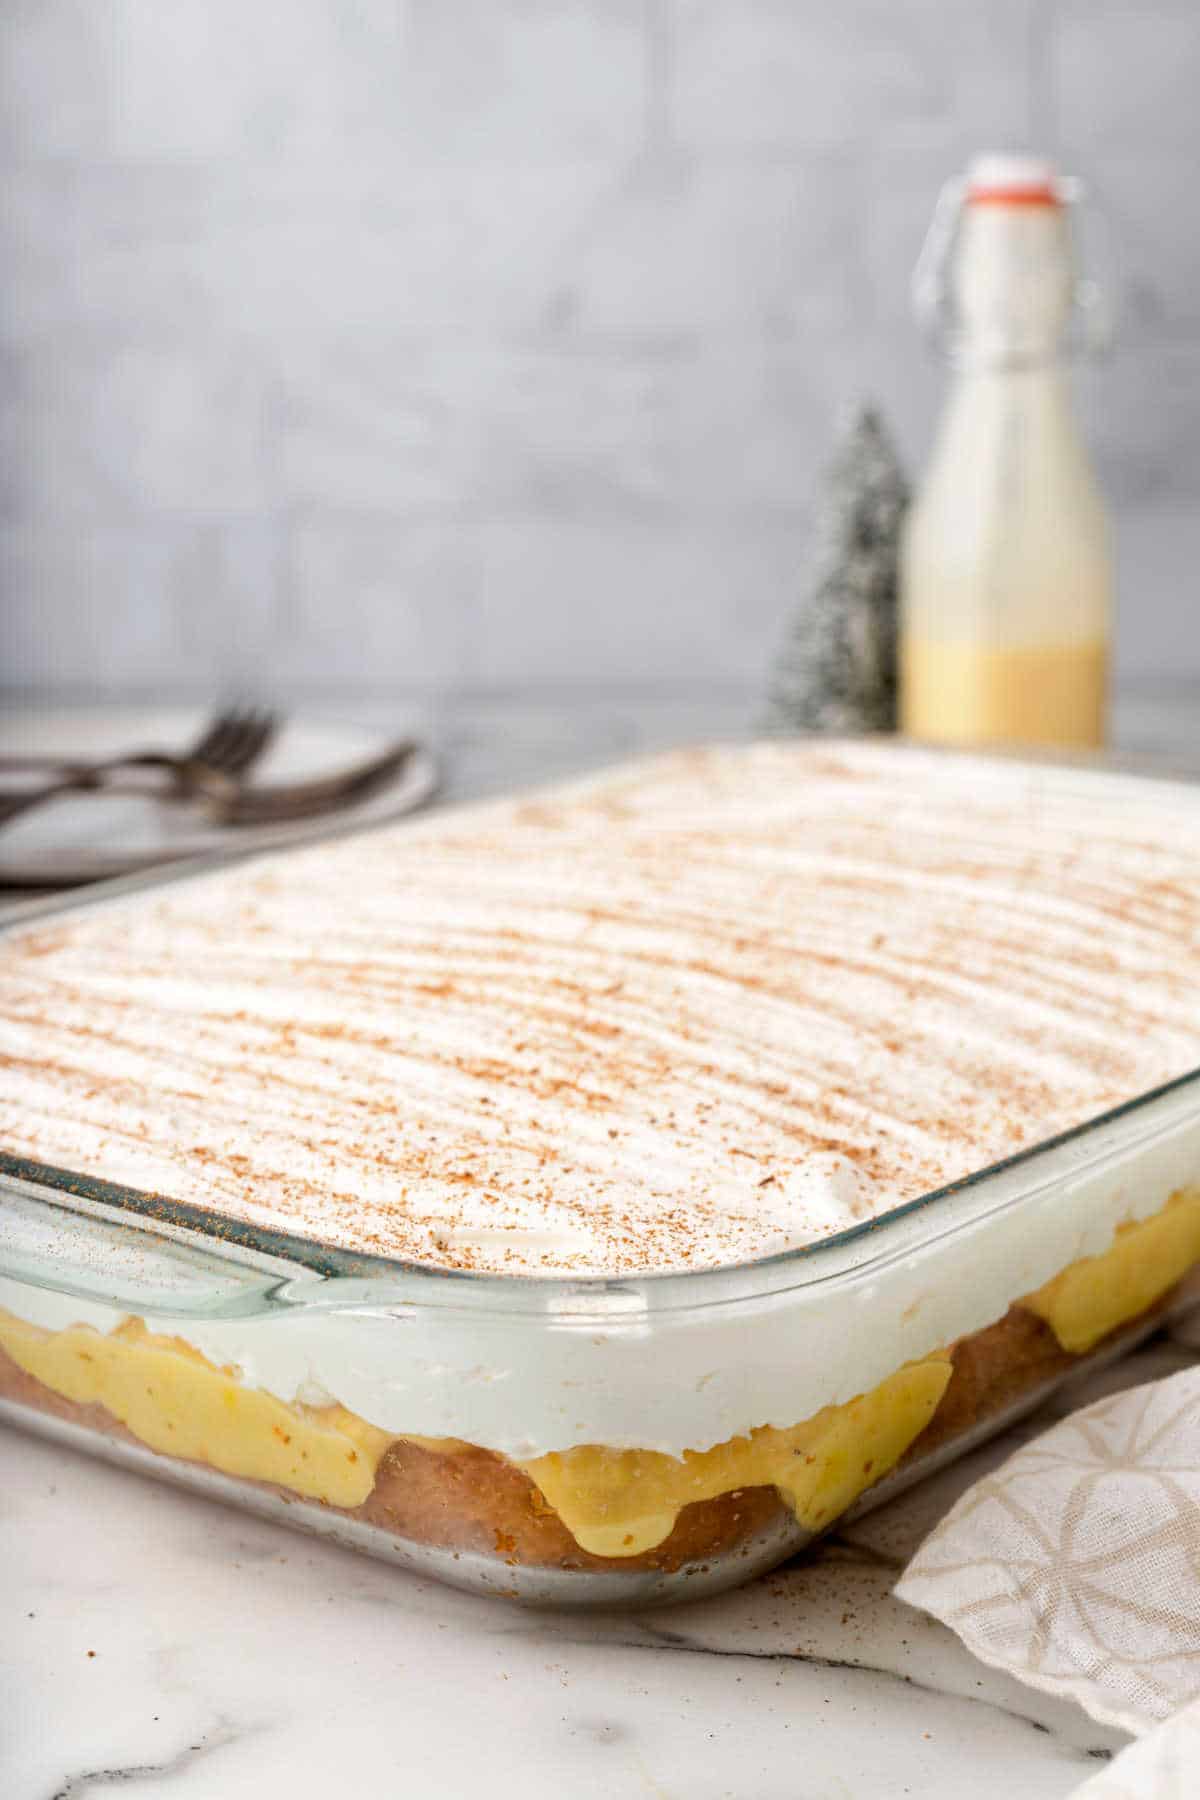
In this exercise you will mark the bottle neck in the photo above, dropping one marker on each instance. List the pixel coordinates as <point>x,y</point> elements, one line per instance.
<point>1013,283</point>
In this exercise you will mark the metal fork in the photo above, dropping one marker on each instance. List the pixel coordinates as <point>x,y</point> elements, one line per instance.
<point>230,804</point>
<point>288,803</point>
<point>229,745</point>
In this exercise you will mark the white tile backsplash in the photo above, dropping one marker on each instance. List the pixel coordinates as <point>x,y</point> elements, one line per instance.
<point>378,604</point>
<point>1158,556</point>
<point>684,246</point>
<point>489,344</point>
<point>55,78</point>
<point>784,76</point>
<point>381,426</point>
<point>92,606</point>
<point>1142,418</point>
<point>1126,71</point>
<point>655,604</point>
<point>121,429</point>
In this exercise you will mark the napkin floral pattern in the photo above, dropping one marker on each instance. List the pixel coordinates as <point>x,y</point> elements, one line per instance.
<point>1076,1566</point>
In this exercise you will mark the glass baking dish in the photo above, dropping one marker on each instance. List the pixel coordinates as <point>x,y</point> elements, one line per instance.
<point>405,1412</point>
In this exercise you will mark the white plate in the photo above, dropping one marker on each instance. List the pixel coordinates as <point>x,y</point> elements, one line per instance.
<point>87,837</point>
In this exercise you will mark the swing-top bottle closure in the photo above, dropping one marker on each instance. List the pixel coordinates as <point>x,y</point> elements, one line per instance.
<point>1000,283</point>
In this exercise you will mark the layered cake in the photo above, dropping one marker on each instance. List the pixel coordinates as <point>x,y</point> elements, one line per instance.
<point>620,1063</point>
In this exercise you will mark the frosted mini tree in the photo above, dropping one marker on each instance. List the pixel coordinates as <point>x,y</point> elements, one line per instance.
<point>837,668</point>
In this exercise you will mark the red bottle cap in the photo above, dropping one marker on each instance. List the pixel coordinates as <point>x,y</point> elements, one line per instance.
<point>1012,181</point>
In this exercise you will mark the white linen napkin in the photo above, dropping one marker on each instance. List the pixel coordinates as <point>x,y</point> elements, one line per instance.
<point>1163,1765</point>
<point>1075,1567</point>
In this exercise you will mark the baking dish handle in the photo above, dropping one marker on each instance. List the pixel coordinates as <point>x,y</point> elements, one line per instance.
<point>119,1264</point>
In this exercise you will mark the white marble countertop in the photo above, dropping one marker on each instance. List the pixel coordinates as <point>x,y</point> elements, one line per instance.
<point>163,1642</point>
<point>159,1642</point>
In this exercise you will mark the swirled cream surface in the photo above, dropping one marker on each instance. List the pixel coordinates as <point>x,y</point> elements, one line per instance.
<point>691,1012</point>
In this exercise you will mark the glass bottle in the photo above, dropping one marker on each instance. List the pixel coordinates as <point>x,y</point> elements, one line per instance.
<point>1006,566</point>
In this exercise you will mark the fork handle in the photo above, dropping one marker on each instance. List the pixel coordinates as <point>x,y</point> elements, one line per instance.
<point>188,776</point>
<point>14,806</point>
<point>284,802</point>
<point>80,768</point>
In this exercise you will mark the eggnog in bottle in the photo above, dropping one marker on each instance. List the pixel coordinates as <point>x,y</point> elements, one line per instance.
<point>1006,569</point>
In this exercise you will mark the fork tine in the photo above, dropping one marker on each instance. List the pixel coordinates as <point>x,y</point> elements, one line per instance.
<point>258,728</point>
<point>236,738</point>
<point>224,741</point>
<point>228,755</point>
<point>212,736</point>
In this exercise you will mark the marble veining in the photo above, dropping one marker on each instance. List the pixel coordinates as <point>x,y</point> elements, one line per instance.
<point>160,1642</point>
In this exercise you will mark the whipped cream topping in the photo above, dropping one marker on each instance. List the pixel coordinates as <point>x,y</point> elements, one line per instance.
<point>692,1012</point>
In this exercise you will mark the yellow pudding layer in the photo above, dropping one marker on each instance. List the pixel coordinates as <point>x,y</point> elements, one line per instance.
<point>621,1502</point>
<point>970,693</point>
<point>175,1400</point>
<point>614,1502</point>
<point>1093,1296</point>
